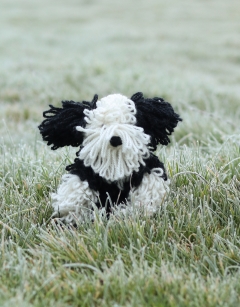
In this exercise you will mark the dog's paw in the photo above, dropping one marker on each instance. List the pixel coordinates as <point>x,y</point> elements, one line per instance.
<point>74,200</point>
<point>151,193</point>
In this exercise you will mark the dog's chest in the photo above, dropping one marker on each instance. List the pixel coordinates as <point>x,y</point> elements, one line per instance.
<point>111,194</point>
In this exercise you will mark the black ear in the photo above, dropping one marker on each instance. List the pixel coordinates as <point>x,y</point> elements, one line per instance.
<point>156,117</point>
<point>59,127</point>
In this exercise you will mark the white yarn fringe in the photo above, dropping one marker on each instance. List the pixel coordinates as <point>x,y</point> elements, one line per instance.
<point>74,199</point>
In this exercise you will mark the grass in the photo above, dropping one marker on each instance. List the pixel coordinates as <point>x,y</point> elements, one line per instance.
<point>186,52</point>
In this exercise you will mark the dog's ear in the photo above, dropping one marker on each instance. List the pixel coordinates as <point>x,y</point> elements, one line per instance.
<point>156,117</point>
<point>59,127</point>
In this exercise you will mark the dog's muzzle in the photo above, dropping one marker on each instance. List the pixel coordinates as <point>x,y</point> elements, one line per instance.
<point>115,141</point>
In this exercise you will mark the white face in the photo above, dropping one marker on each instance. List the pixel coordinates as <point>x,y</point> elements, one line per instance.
<point>113,146</point>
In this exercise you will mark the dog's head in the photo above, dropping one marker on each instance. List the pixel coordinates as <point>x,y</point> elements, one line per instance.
<point>116,134</point>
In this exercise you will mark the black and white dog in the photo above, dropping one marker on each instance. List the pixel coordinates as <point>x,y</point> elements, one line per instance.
<point>115,164</point>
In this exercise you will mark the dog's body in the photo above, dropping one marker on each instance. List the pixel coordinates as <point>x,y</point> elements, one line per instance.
<point>115,163</point>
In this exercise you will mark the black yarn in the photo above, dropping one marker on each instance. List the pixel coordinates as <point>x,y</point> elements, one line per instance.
<point>59,127</point>
<point>156,117</point>
<point>111,190</point>
<point>150,163</point>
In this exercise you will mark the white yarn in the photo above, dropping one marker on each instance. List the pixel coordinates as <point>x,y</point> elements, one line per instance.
<point>114,116</point>
<point>74,199</point>
<point>151,192</point>
<point>112,109</point>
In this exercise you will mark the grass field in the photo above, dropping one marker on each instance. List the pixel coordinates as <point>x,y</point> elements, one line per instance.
<point>184,51</point>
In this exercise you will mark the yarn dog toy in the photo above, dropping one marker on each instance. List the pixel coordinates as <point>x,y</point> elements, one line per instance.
<point>115,164</point>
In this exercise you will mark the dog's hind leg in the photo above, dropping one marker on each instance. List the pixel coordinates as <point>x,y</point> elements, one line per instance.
<point>74,200</point>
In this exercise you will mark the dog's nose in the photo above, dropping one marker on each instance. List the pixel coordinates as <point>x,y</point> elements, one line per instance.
<point>115,141</point>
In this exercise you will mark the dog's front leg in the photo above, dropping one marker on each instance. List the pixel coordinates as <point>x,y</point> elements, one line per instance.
<point>150,194</point>
<point>74,200</point>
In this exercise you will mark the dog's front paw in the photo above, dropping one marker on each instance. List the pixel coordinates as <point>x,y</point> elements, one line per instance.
<point>150,195</point>
<point>74,200</point>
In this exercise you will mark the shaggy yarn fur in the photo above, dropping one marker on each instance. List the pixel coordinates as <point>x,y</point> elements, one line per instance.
<point>115,164</point>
